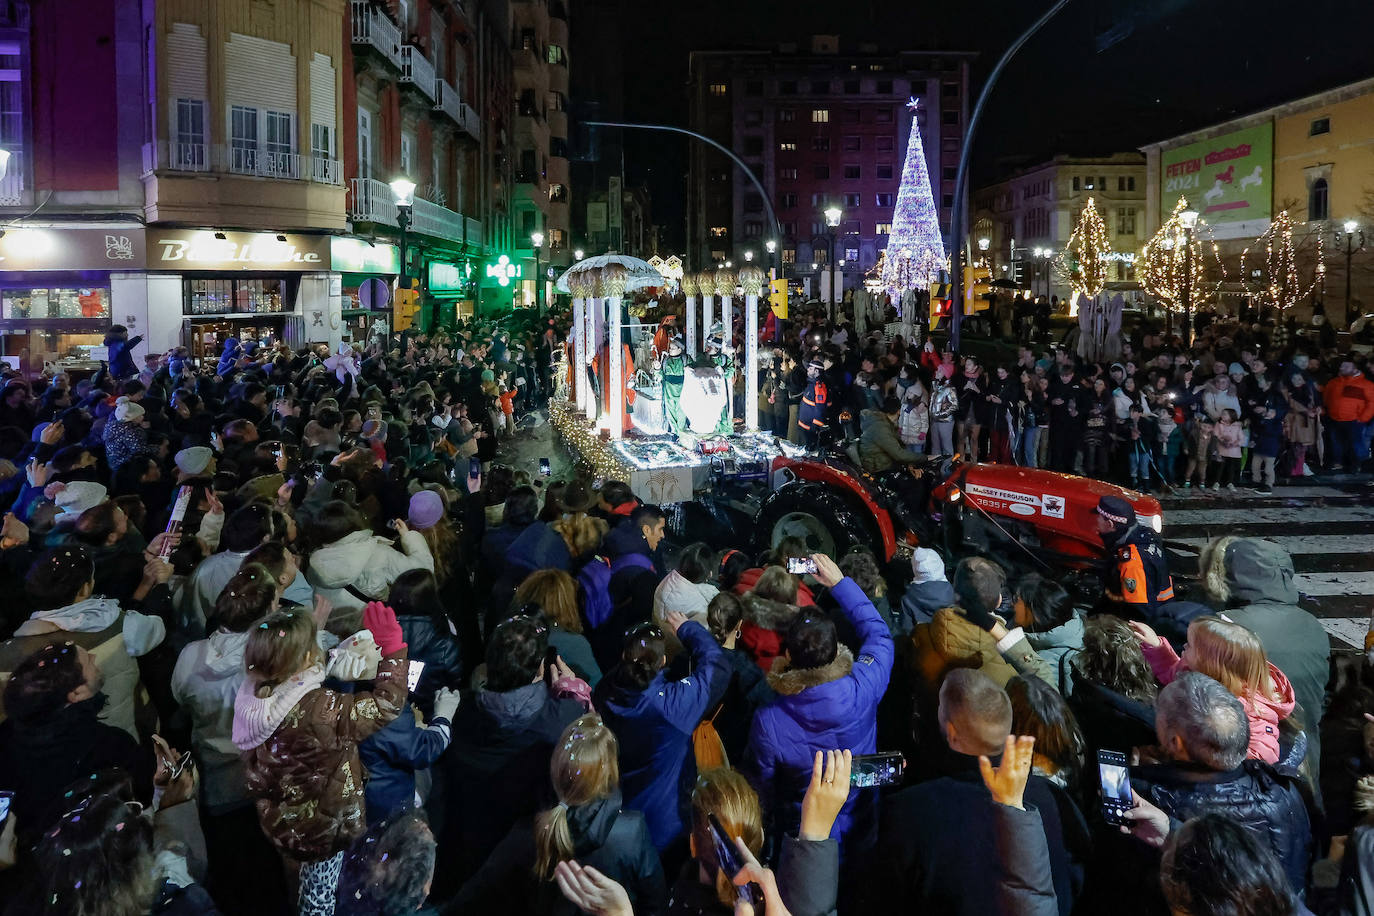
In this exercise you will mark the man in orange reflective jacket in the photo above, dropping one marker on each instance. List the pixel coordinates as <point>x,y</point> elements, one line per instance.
<point>815,405</point>
<point>1139,575</point>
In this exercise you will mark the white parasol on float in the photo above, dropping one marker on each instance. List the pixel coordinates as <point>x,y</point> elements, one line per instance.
<point>638,273</point>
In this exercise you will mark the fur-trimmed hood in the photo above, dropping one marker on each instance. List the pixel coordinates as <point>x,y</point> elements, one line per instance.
<point>788,681</point>
<point>1240,571</point>
<point>767,613</point>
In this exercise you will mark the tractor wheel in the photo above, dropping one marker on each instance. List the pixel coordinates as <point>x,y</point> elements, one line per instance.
<point>824,520</point>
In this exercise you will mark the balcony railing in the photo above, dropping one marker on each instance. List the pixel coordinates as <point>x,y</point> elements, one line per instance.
<point>447,100</point>
<point>239,160</point>
<point>372,27</point>
<point>371,201</point>
<point>252,160</point>
<point>416,69</point>
<point>474,232</point>
<point>326,171</point>
<point>12,184</point>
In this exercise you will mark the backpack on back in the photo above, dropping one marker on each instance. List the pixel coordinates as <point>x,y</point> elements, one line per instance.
<point>594,581</point>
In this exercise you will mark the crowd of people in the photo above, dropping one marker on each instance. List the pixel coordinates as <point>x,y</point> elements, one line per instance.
<point>285,636</point>
<point>1245,405</point>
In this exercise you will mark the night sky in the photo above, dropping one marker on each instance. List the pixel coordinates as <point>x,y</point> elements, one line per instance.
<point>1168,66</point>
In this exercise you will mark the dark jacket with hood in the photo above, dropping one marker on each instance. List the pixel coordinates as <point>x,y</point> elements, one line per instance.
<point>392,756</point>
<point>439,650</point>
<point>121,356</point>
<point>604,836</point>
<point>1253,580</point>
<point>1109,720</point>
<point>538,546</point>
<point>497,771</point>
<point>880,448</point>
<point>631,591</point>
<point>654,726</point>
<point>832,706</point>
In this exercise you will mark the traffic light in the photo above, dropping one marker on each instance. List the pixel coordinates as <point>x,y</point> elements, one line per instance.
<point>406,305</point>
<point>977,289</point>
<point>777,297</point>
<point>939,298</point>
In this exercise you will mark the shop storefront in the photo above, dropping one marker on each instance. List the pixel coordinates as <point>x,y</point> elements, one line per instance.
<point>451,284</point>
<point>263,287</point>
<point>56,299</point>
<point>357,261</point>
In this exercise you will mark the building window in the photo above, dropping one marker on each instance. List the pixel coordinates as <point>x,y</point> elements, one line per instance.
<point>949,173</point>
<point>885,171</point>
<point>753,146</point>
<point>852,144</point>
<point>883,144</point>
<point>243,139</point>
<point>753,229</point>
<point>1318,200</point>
<point>851,87</point>
<point>946,200</point>
<point>364,143</point>
<point>820,116</point>
<point>190,135</point>
<point>851,200</point>
<point>819,229</point>
<point>753,202</point>
<point>882,116</point>
<point>1320,126</point>
<point>789,229</point>
<point>1125,221</point>
<point>883,87</point>
<point>883,229</point>
<point>787,200</point>
<point>851,254</point>
<point>875,68</point>
<point>885,200</point>
<point>789,256</point>
<point>820,144</point>
<point>787,174</point>
<point>753,117</point>
<point>853,173</point>
<point>407,153</point>
<point>787,146</point>
<point>753,87</point>
<point>949,90</point>
<point>321,146</point>
<point>949,117</point>
<point>787,114</point>
<point>718,90</point>
<point>718,232</point>
<point>787,87</point>
<point>558,193</point>
<point>820,87</point>
<point>851,116</point>
<point>1077,183</point>
<point>821,172</point>
<point>556,55</point>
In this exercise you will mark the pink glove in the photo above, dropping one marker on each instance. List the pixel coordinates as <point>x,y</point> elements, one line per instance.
<point>381,621</point>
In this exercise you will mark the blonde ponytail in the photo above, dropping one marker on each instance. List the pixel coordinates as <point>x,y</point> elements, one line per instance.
<point>552,841</point>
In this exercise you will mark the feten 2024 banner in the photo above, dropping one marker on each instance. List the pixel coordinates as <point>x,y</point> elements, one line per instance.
<point>1226,179</point>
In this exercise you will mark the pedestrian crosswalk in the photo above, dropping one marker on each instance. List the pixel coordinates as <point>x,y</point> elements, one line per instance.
<point>1328,530</point>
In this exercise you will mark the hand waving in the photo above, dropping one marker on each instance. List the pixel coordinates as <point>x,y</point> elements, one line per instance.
<point>1007,783</point>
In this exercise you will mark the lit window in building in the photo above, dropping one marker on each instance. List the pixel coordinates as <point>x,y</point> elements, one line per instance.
<point>820,116</point>
<point>718,89</point>
<point>718,232</point>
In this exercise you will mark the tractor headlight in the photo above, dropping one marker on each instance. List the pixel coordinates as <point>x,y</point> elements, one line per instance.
<point>955,494</point>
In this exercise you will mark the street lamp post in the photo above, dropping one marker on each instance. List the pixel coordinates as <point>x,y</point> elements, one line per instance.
<point>578,254</point>
<point>832,219</point>
<point>983,245</point>
<point>1189,220</point>
<point>537,238</point>
<point>403,190</point>
<point>772,247</point>
<point>1351,229</point>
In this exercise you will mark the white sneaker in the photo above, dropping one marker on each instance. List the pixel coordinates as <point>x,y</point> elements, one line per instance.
<point>1231,487</point>
<point>1306,471</point>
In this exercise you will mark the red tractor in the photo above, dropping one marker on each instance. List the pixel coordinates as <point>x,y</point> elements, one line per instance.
<point>1025,517</point>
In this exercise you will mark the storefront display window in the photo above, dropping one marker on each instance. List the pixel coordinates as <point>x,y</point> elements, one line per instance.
<point>56,302</point>
<point>229,295</point>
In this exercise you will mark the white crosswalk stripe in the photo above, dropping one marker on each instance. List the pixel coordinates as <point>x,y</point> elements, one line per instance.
<point>1328,530</point>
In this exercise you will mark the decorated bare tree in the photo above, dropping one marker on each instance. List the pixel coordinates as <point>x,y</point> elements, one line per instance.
<point>1083,262</point>
<point>1272,267</point>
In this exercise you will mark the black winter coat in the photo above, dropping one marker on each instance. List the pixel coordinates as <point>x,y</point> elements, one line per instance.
<point>1255,795</point>
<point>496,772</point>
<point>613,841</point>
<point>937,839</point>
<point>441,653</point>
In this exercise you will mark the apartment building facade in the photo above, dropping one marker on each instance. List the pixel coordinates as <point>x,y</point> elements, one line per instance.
<point>821,126</point>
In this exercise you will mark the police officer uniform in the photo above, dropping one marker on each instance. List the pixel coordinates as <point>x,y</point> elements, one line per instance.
<point>1140,570</point>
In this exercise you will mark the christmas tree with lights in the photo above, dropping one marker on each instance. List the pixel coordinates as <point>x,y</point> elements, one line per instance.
<point>915,248</point>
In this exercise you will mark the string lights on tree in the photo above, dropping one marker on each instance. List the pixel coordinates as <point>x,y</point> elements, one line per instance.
<point>1279,285</point>
<point>1083,262</point>
<point>1171,266</point>
<point>915,248</point>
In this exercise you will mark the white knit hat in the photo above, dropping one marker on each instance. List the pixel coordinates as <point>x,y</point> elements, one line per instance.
<point>927,565</point>
<point>126,409</point>
<point>80,495</point>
